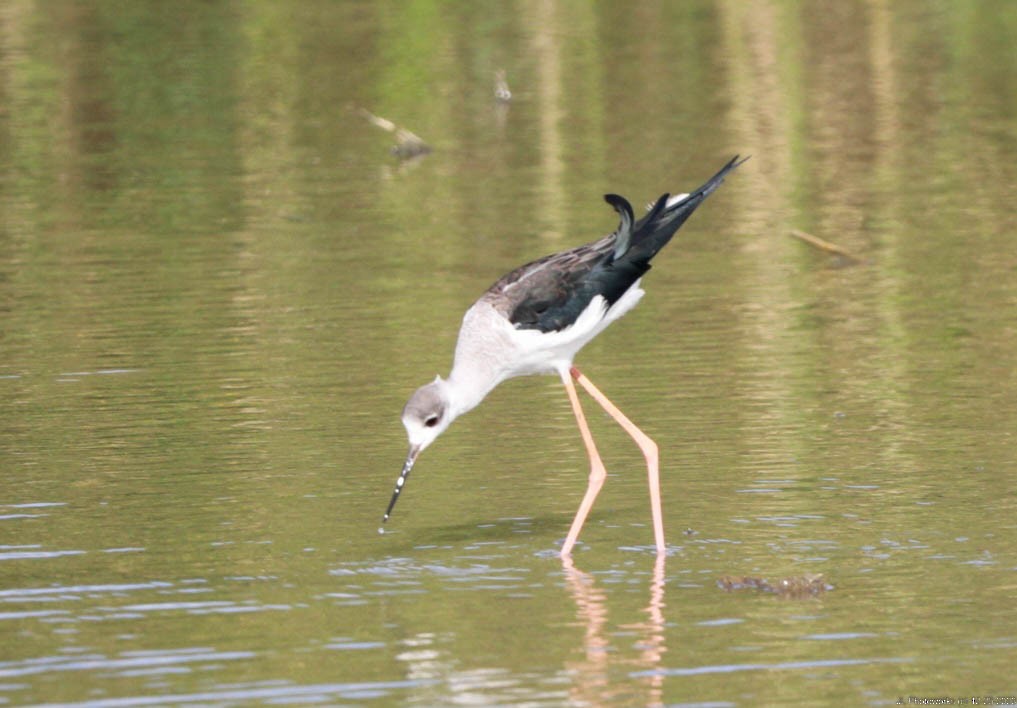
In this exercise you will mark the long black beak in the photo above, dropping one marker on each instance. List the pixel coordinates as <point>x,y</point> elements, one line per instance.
<point>407,466</point>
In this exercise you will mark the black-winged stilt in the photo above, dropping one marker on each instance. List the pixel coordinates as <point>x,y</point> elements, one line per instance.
<point>537,318</point>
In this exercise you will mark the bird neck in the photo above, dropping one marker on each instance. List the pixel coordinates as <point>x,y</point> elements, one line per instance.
<point>467,387</point>
<point>478,363</point>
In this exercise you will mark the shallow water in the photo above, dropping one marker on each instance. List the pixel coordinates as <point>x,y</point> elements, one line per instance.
<point>217,288</point>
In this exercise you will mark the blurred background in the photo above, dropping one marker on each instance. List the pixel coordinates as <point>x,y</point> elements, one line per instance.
<point>235,236</point>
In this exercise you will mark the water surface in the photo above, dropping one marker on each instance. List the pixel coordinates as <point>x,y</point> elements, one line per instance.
<point>218,286</point>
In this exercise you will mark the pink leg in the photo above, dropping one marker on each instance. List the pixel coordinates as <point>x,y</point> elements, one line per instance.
<point>597,471</point>
<point>648,447</point>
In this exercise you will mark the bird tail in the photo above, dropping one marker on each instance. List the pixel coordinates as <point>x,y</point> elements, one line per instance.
<point>652,232</point>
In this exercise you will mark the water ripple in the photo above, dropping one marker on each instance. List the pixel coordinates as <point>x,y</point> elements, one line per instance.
<point>312,693</point>
<point>779,666</point>
<point>98,662</point>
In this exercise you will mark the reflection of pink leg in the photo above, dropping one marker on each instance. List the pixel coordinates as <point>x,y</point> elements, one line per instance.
<point>597,471</point>
<point>648,447</point>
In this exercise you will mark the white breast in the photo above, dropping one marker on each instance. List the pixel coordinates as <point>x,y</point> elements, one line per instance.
<point>491,347</point>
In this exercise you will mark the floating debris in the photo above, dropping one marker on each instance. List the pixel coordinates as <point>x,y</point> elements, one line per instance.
<point>502,92</point>
<point>795,587</point>
<point>823,245</point>
<point>408,144</point>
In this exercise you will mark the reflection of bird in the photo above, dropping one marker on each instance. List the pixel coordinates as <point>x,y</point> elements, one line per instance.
<point>534,321</point>
<point>594,672</point>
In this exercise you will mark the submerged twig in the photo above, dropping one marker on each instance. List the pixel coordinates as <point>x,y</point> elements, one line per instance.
<point>823,245</point>
<point>408,144</point>
<point>502,92</point>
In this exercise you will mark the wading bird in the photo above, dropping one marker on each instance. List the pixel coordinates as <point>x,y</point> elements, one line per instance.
<point>537,318</point>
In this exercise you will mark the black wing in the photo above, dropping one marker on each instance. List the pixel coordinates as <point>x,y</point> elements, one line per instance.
<point>549,294</point>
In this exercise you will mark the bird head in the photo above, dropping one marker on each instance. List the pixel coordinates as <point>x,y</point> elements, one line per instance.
<point>425,416</point>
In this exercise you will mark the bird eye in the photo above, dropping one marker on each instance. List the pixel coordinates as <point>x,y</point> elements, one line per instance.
<point>431,421</point>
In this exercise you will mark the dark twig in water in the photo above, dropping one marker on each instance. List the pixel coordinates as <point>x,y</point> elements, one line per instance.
<point>823,245</point>
<point>795,587</point>
<point>408,144</point>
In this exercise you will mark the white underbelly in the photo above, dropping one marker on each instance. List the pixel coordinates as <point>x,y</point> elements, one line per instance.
<point>490,347</point>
